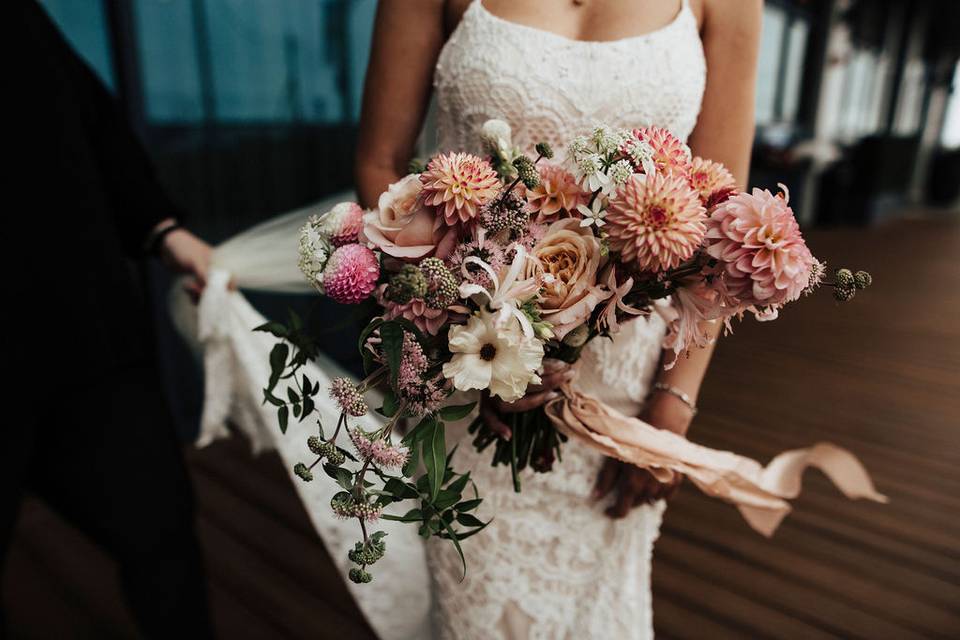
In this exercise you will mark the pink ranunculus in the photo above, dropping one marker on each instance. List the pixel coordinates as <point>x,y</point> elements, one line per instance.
<point>403,226</point>
<point>566,261</point>
<point>764,261</point>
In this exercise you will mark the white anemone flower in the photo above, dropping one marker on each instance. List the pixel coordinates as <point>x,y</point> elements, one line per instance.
<point>488,354</point>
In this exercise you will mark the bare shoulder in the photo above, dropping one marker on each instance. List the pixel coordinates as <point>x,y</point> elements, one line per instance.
<point>728,16</point>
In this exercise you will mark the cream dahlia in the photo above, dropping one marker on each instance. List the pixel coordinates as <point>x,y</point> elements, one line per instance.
<point>669,154</point>
<point>656,221</point>
<point>764,259</point>
<point>351,274</point>
<point>458,184</point>
<point>492,355</point>
<point>708,178</point>
<point>558,191</point>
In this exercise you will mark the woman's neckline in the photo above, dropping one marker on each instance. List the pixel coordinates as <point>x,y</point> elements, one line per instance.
<point>684,6</point>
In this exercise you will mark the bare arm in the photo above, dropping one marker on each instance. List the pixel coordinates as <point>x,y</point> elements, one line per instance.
<point>724,132</point>
<point>407,38</point>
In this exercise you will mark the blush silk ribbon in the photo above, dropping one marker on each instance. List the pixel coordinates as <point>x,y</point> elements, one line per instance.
<point>760,493</point>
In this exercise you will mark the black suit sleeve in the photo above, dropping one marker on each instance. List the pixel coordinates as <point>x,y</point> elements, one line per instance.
<point>129,181</point>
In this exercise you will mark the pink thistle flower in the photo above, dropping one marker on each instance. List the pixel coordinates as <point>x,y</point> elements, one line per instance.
<point>458,184</point>
<point>656,221</point>
<point>417,312</point>
<point>343,223</point>
<point>764,260</point>
<point>709,178</point>
<point>377,449</point>
<point>670,155</point>
<point>348,397</point>
<point>558,191</point>
<point>351,274</point>
<point>422,396</point>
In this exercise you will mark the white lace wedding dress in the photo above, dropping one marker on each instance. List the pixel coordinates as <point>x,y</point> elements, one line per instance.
<point>551,565</point>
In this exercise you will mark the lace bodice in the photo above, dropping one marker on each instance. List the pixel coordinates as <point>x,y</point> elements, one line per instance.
<point>550,564</point>
<point>549,87</point>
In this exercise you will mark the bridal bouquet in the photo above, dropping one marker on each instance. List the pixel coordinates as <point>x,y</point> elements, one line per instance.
<point>483,267</point>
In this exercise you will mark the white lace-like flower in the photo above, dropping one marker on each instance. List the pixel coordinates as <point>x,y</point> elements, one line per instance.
<point>490,355</point>
<point>314,251</point>
<point>641,153</point>
<point>620,171</point>
<point>590,175</point>
<point>607,140</point>
<point>579,147</point>
<point>594,214</point>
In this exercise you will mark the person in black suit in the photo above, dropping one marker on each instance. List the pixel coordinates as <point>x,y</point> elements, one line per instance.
<point>88,429</point>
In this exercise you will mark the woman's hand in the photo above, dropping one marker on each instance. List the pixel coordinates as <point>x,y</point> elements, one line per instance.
<point>555,374</point>
<point>635,486</point>
<point>184,252</point>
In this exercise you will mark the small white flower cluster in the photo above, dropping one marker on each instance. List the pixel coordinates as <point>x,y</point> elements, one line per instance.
<point>591,160</point>
<point>641,153</point>
<point>314,251</point>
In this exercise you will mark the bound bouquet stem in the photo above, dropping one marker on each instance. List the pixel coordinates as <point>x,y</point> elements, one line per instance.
<point>481,267</point>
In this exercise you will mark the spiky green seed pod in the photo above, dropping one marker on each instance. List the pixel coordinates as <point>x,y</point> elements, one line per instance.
<point>844,294</point>
<point>416,165</point>
<point>406,285</point>
<point>862,279</point>
<point>335,456</point>
<point>366,554</point>
<point>845,279</point>
<point>544,150</point>
<point>359,576</point>
<point>527,172</point>
<point>315,445</point>
<point>302,472</point>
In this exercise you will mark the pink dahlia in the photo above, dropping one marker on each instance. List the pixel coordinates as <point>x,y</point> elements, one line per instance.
<point>709,178</point>
<point>351,274</point>
<point>669,154</point>
<point>764,259</point>
<point>656,221</point>
<point>343,223</point>
<point>557,191</point>
<point>458,184</point>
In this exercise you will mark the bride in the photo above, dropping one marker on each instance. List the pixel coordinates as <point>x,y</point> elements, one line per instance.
<point>570,556</point>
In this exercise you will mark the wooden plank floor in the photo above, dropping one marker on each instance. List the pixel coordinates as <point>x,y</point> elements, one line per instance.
<point>880,376</point>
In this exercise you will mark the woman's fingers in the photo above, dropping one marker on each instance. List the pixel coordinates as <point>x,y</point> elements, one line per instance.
<point>526,402</point>
<point>606,479</point>
<point>490,417</point>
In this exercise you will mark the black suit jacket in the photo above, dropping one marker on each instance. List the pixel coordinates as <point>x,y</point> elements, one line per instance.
<point>89,200</point>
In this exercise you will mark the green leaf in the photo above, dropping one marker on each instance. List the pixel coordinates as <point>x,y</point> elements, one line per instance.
<point>272,399</point>
<point>278,362</point>
<point>468,505</point>
<point>283,415</point>
<point>469,520</point>
<point>399,489</point>
<point>418,432</point>
<point>454,537</point>
<point>458,485</point>
<point>410,467</point>
<point>390,404</point>
<point>391,339</point>
<point>277,329</point>
<point>414,515</point>
<point>445,499</point>
<point>435,458</point>
<point>456,412</point>
<point>344,478</point>
<point>307,407</point>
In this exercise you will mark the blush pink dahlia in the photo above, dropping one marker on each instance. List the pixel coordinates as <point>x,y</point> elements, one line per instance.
<point>709,178</point>
<point>669,154</point>
<point>343,223</point>
<point>351,274</point>
<point>656,221</point>
<point>764,259</point>
<point>458,184</point>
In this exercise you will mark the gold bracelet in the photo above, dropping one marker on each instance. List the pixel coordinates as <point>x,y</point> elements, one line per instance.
<point>679,394</point>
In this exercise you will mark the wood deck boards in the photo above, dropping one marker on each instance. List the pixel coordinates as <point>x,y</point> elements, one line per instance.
<point>880,376</point>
